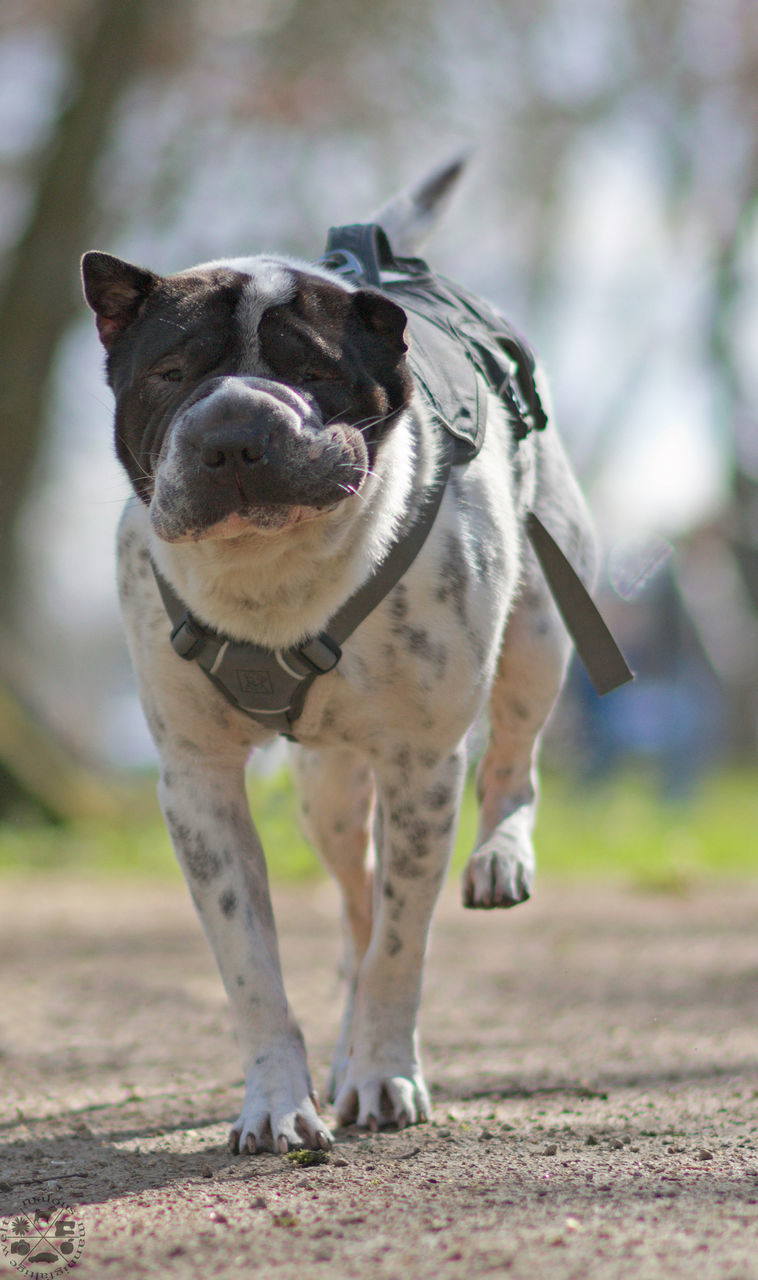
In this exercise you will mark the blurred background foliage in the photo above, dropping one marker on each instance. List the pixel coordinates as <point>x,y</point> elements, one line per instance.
<point>610,209</point>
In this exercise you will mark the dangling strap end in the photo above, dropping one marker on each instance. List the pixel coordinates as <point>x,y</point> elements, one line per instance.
<point>602,658</point>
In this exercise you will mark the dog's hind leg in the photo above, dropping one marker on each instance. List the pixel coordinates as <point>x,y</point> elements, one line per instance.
<point>336,792</point>
<point>530,672</point>
<point>529,676</point>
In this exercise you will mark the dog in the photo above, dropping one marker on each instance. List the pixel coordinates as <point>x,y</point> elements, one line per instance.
<point>278,445</point>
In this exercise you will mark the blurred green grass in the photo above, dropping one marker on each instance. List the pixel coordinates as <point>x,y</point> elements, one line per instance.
<point>620,830</point>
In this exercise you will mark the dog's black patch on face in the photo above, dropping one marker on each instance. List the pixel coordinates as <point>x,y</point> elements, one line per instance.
<point>203,366</point>
<point>345,350</point>
<point>164,337</point>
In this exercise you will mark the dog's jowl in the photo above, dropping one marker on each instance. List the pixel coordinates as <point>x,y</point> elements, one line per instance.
<point>327,539</point>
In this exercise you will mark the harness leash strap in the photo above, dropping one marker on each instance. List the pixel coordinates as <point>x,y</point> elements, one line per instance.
<point>603,661</point>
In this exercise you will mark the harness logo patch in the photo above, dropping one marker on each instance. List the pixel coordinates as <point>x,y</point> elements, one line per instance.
<point>42,1239</point>
<point>254,682</point>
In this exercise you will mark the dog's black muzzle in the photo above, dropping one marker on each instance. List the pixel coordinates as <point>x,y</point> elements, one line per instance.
<point>237,423</point>
<point>244,445</point>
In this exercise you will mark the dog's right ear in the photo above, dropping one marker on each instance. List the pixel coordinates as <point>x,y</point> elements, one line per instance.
<point>115,290</point>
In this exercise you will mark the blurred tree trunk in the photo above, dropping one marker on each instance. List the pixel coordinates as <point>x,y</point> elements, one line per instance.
<point>37,299</point>
<point>39,293</point>
<point>40,776</point>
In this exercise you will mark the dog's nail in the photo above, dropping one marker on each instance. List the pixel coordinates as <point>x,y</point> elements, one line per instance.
<point>284,1146</point>
<point>233,1142</point>
<point>323,1140</point>
<point>403,1120</point>
<point>373,1124</point>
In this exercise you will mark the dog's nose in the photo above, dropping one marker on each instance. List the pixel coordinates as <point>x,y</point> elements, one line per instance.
<point>231,429</point>
<point>227,447</point>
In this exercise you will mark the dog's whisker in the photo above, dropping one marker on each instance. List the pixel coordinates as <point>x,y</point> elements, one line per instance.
<point>142,470</point>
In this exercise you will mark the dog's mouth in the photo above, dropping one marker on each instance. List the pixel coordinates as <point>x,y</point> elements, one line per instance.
<point>255,520</point>
<point>249,455</point>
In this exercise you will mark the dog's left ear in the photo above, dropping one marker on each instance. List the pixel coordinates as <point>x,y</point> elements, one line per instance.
<point>115,290</point>
<point>383,316</point>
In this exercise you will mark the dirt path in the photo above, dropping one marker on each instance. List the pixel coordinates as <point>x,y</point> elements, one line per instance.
<point>593,1059</point>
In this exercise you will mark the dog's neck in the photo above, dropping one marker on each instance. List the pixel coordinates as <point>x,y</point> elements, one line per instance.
<point>274,588</point>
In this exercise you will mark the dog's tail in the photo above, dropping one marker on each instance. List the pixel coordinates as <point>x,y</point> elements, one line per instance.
<point>409,217</point>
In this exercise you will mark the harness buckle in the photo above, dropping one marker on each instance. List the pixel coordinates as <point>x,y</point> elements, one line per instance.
<point>321,654</point>
<point>186,639</point>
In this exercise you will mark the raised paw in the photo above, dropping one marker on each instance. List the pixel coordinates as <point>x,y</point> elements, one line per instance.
<point>500,873</point>
<point>376,1103</point>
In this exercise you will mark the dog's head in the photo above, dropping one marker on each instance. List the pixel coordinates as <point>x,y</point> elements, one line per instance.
<point>252,393</point>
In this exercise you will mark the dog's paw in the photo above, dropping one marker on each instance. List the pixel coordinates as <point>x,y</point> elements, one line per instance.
<point>261,1128</point>
<point>280,1110</point>
<point>500,873</point>
<point>376,1102</point>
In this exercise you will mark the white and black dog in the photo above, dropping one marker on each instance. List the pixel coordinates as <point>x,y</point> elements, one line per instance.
<point>273,430</point>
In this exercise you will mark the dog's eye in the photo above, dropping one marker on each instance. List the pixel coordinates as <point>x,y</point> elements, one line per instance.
<point>173,374</point>
<point>320,374</point>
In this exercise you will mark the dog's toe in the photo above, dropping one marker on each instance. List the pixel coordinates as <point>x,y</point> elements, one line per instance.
<point>499,874</point>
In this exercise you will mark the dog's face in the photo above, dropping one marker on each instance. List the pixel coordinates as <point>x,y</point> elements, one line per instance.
<point>249,394</point>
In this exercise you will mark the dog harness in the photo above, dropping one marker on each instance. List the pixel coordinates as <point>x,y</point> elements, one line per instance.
<point>460,351</point>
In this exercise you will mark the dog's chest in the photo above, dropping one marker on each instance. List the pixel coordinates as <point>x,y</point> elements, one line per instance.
<point>422,661</point>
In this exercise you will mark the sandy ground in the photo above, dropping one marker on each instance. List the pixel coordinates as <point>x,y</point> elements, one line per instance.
<point>592,1056</point>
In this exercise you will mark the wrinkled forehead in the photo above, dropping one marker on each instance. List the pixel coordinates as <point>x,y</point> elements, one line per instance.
<point>263,282</point>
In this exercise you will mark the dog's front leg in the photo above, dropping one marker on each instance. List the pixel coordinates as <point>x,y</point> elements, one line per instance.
<point>204,746</point>
<point>419,797</point>
<point>206,812</point>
